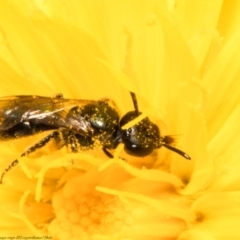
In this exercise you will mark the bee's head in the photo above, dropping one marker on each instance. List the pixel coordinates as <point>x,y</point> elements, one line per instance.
<point>140,139</point>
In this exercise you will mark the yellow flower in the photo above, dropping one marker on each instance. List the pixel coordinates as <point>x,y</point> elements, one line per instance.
<point>181,59</point>
<point>112,204</point>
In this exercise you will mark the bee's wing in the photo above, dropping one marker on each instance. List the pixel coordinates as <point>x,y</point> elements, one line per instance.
<point>43,110</point>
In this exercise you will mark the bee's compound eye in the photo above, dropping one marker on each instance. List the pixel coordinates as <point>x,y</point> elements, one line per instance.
<point>138,150</point>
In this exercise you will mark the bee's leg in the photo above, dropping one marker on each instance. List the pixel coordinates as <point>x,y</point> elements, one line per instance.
<point>71,141</point>
<point>105,150</point>
<point>115,143</point>
<point>43,142</point>
<point>76,142</point>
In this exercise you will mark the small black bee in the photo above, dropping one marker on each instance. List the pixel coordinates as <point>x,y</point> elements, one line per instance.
<point>79,125</point>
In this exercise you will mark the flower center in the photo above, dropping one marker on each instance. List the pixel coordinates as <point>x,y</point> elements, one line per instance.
<point>84,211</point>
<point>86,214</point>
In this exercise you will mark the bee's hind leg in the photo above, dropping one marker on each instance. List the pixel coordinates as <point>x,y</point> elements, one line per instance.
<point>54,135</point>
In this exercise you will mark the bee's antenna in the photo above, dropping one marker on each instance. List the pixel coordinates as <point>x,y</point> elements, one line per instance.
<point>135,104</point>
<point>166,142</point>
<point>183,154</point>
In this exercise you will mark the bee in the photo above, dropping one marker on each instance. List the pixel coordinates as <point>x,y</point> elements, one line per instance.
<point>78,125</point>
